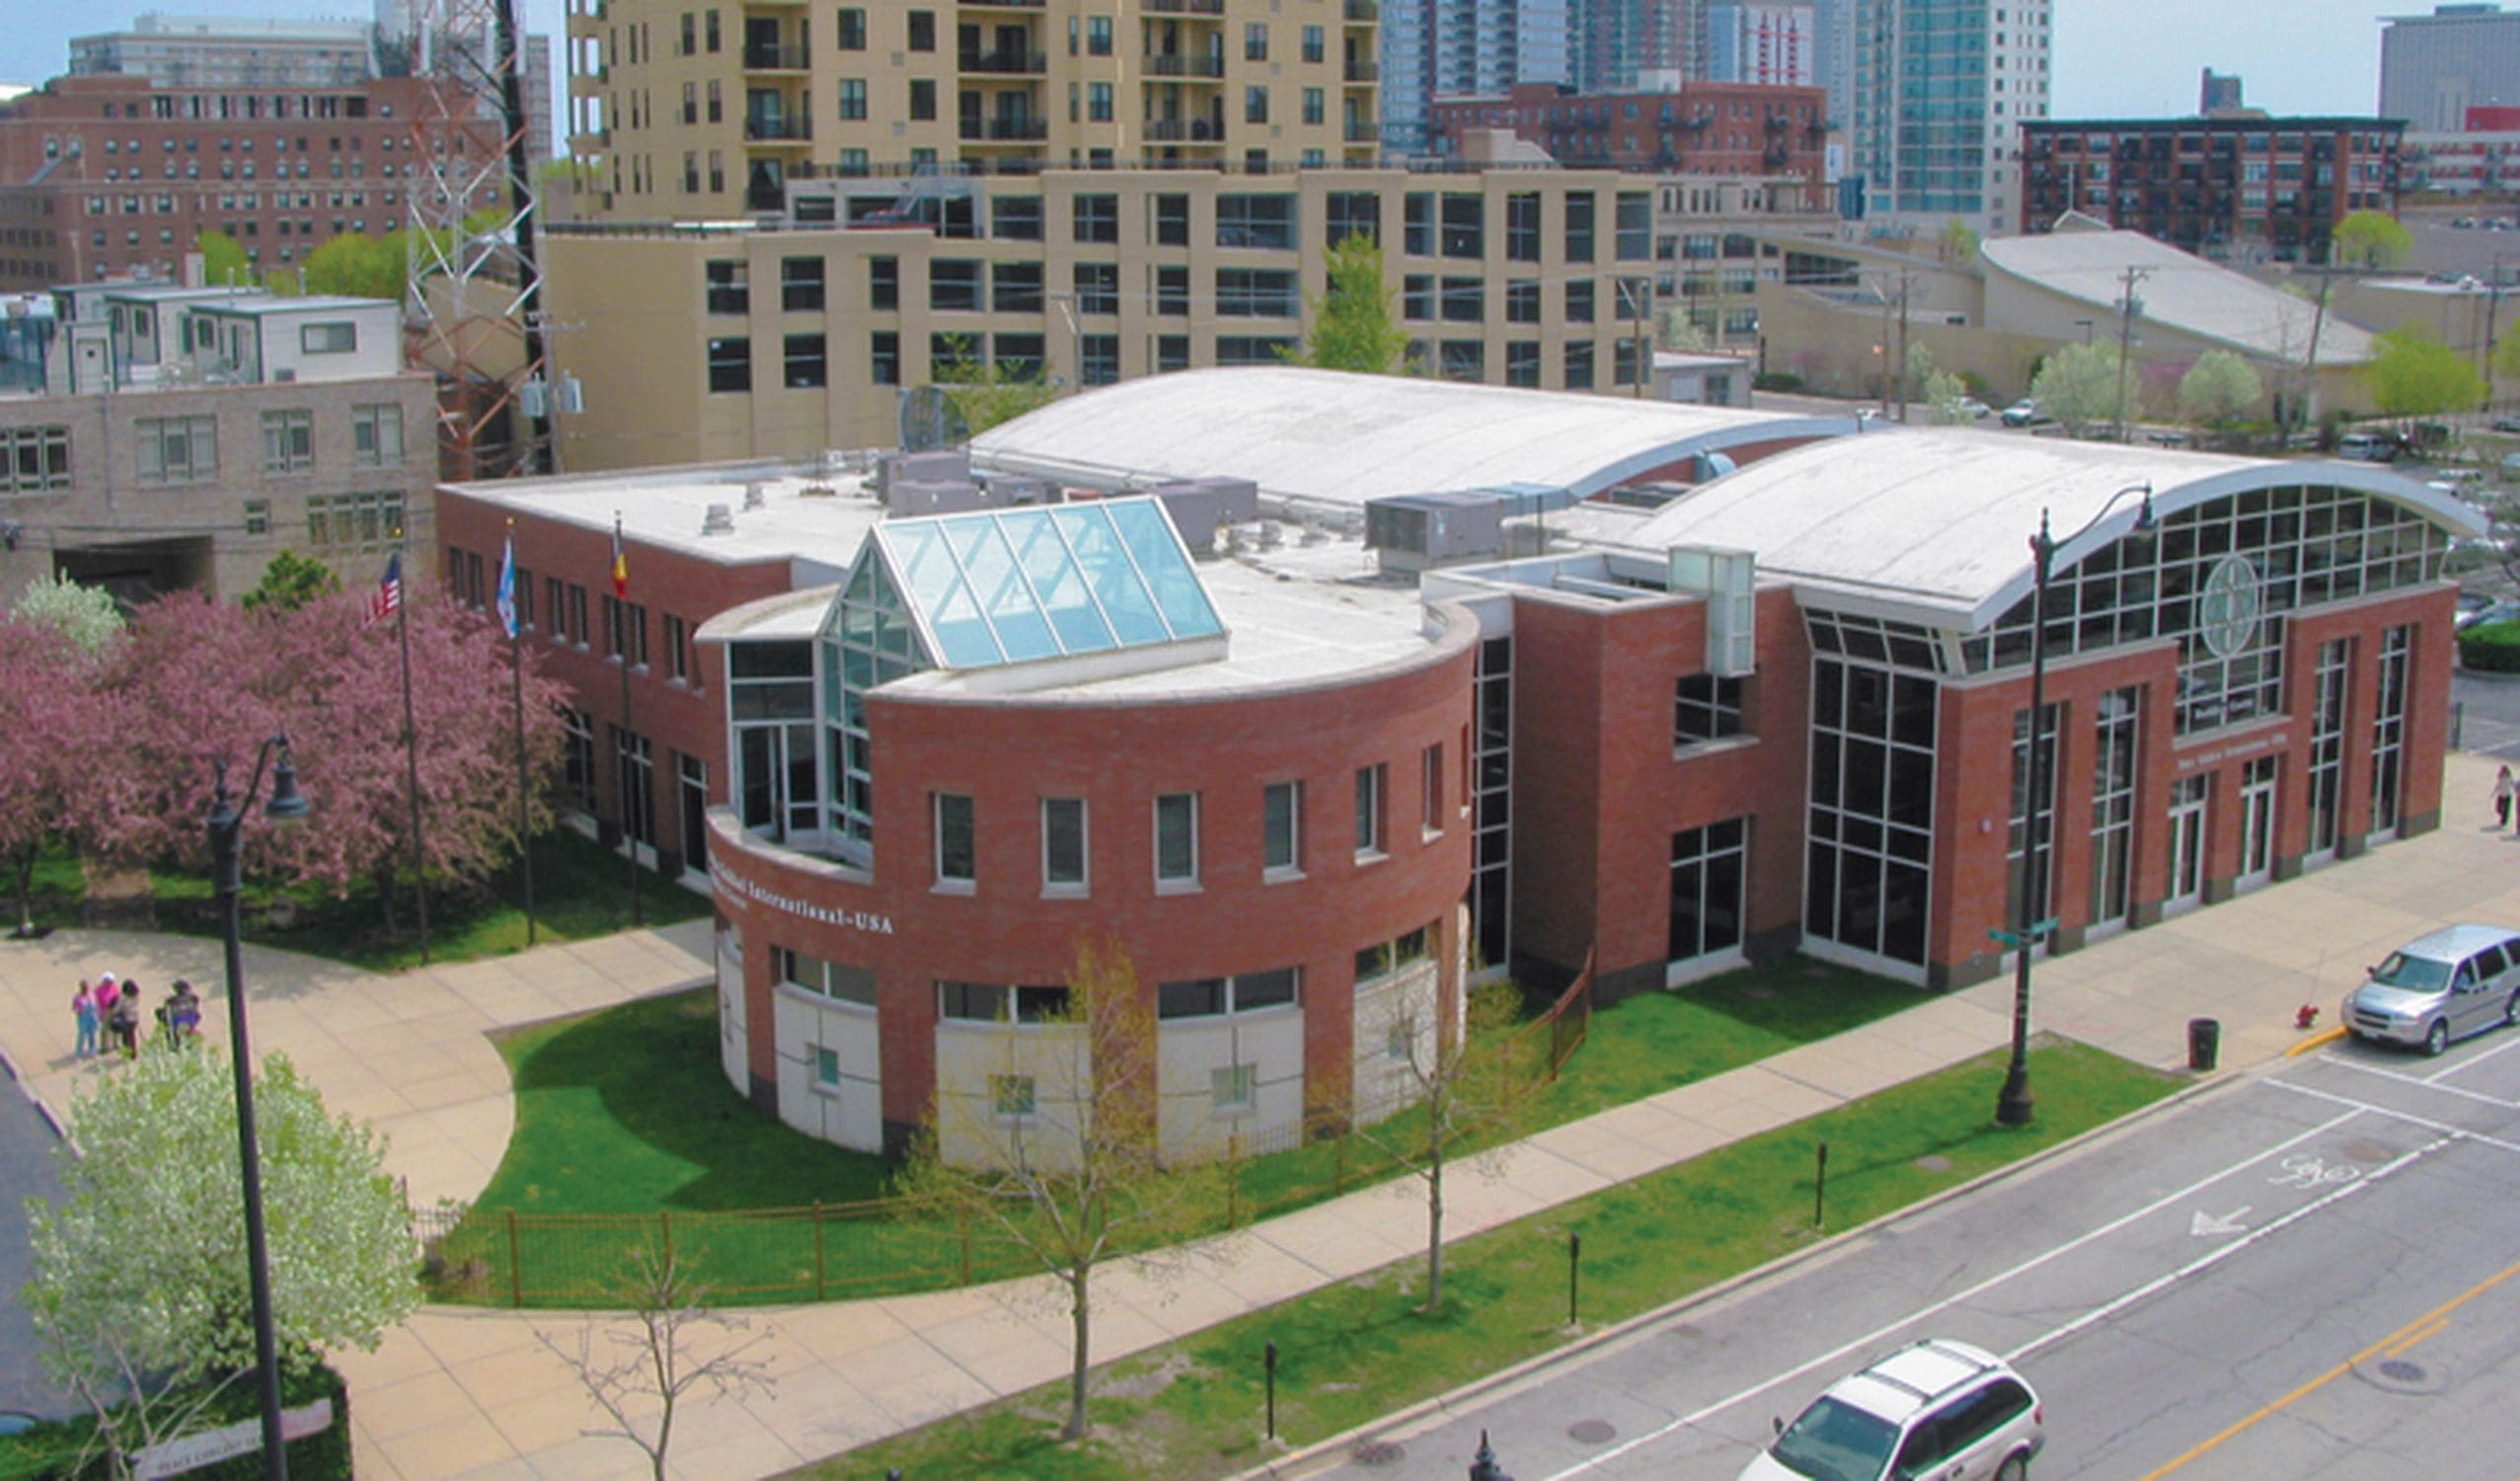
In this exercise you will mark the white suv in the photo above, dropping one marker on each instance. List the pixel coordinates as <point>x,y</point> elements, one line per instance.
<point>1936,1410</point>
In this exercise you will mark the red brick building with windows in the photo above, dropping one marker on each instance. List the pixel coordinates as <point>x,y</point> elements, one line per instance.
<point>114,175</point>
<point>2245,186</point>
<point>1587,695</point>
<point>1699,128</point>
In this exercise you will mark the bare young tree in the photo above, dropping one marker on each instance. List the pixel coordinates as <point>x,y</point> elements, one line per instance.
<point>648,1370</point>
<point>1048,1145</point>
<point>134,1410</point>
<point>1458,1069</point>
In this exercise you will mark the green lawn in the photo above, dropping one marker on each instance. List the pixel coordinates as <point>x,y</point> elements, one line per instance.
<point>580,891</point>
<point>625,1131</point>
<point>1351,1352</point>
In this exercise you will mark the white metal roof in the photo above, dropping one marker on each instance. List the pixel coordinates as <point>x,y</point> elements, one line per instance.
<point>1331,438</point>
<point>1938,523</point>
<point>2182,291</point>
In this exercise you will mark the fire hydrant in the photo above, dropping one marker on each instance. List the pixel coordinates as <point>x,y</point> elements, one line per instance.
<point>2306,1016</point>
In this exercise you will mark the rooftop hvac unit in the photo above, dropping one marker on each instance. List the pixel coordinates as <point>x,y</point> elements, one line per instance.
<point>919,467</point>
<point>912,499</point>
<point>719,520</point>
<point>1413,532</point>
<point>754,498</point>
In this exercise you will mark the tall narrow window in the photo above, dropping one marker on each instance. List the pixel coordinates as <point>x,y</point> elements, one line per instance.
<point>1063,845</point>
<point>1282,829</point>
<point>1177,839</point>
<point>1369,811</point>
<point>1430,788</point>
<point>953,840</point>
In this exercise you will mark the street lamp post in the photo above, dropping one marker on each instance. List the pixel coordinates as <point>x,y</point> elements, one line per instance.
<point>227,882</point>
<point>2013,1105</point>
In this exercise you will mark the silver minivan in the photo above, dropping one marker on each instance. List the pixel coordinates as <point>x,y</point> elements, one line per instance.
<point>2447,984</point>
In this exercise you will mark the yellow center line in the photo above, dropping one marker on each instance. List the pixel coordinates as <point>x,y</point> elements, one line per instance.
<point>2419,1338</point>
<point>2405,1337</point>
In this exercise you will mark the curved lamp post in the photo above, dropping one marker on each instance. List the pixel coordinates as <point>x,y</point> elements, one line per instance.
<point>286,805</point>
<point>2013,1105</point>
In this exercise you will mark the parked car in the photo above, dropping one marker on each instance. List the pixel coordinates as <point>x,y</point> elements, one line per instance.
<point>2442,985</point>
<point>2506,424</point>
<point>2504,609</point>
<point>2023,413</point>
<point>2370,446</point>
<point>1935,1408</point>
<point>1972,409</point>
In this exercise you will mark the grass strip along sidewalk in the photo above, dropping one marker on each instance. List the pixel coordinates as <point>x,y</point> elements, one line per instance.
<point>627,1133</point>
<point>1358,1349</point>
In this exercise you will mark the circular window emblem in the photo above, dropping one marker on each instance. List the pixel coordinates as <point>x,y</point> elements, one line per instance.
<point>2227,614</point>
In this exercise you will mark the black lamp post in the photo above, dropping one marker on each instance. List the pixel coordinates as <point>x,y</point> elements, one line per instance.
<point>2013,1105</point>
<point>227,881</point>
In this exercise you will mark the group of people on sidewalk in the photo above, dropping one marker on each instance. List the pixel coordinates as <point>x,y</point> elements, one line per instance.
<point>109,1012</point>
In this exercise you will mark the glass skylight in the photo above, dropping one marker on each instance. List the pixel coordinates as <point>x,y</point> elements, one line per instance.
<point>1010,585</point>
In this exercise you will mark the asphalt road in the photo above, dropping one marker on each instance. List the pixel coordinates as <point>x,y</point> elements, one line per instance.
<point>2488,707</point>
<point>2307,1275</point>
<point>26,1169</point>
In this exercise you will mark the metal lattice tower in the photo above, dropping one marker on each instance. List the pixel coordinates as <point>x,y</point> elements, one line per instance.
<point>474,311</point>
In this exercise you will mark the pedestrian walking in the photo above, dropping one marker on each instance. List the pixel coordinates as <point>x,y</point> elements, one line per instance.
<point>83,1007</point>
<point>2503,785</point>
<point>127,1020</point>
<point>183,1014</point>
<point>109,992</point>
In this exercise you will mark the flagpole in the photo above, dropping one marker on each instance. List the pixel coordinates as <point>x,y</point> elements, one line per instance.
<point>517,690</point>
<point>622,751</point>
<point>411,754</point>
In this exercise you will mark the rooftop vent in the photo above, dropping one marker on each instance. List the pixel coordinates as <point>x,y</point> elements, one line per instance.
<point>754,498</point>
<point>719,520</point>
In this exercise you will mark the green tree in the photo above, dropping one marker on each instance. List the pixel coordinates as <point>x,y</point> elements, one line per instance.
<point>2219,390</point>
<point>984,394</point>
<point>1958,242</point>
<point>360,266</point>
<point>289,582</point>
<point>1074,1179</point>
<point>2080,387</point>
<point>141,1265</point>
<point>1943,395</point>
<point>1682,331</point>
<point>224,262</point>
<point>2416,375</point>
<point>1354,326</point>
<point>86,615</point>
<point>2370,240</point>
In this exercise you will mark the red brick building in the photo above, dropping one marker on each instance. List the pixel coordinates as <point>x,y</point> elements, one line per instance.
<point>1701,129</point>
<point>923,735</point>
<point>2246,187</point>
<point>114,175</point>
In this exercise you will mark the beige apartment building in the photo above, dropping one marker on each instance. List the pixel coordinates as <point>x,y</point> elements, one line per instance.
<point>687,111</point>
<point>702,343</point>
<point>180,437</point>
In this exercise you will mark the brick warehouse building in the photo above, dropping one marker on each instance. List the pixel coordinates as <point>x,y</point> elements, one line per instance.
<point>1585,692</point>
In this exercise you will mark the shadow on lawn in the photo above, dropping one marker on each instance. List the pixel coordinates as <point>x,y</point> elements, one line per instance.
<point>652,1069</point>
<point>1800,999</point>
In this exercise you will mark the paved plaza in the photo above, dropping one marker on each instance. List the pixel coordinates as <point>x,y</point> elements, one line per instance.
<point>460,1392</point>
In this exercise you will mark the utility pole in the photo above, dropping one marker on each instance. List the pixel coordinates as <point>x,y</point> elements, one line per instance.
<point>2126,310</point>
<point>1904,388</point>
<point>2493,318</point>
<point>1643,300</point>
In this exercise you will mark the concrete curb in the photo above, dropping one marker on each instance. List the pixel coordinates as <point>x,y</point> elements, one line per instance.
<point>25,1088</point>
<point>1323,1453</point>
<point>2319,1040</point>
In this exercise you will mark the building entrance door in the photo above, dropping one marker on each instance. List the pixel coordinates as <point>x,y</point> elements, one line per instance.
<point>2256,823</point>
<point>2186,846</point>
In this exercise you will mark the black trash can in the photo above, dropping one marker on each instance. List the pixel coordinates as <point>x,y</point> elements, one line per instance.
<point>2204,1042</point>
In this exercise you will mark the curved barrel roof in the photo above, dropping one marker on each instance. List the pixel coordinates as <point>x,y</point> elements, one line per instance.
<point>1938,521</point>
<point>1332,437</point>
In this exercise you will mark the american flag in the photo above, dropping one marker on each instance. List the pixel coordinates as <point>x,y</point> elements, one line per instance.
<point>389,592</point>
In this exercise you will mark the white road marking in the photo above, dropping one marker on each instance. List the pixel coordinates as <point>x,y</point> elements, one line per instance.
<point>1870,1339</point>
<point>2427,1082</point>
<point>2205,1225</point>
<point>2409,1116</point>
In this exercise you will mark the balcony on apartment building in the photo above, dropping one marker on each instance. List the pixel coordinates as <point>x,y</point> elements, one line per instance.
<point>1005,129</point>
<point>1359,69</point>
<point>775,56</point>
<point>1014,61</point>
<point>778,129</point>
<point>1186,64</point>
<point>1363,12</point>
<point>1184,130</point>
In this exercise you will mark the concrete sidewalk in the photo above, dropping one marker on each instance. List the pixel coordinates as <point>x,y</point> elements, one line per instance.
<point>460,1392</point>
